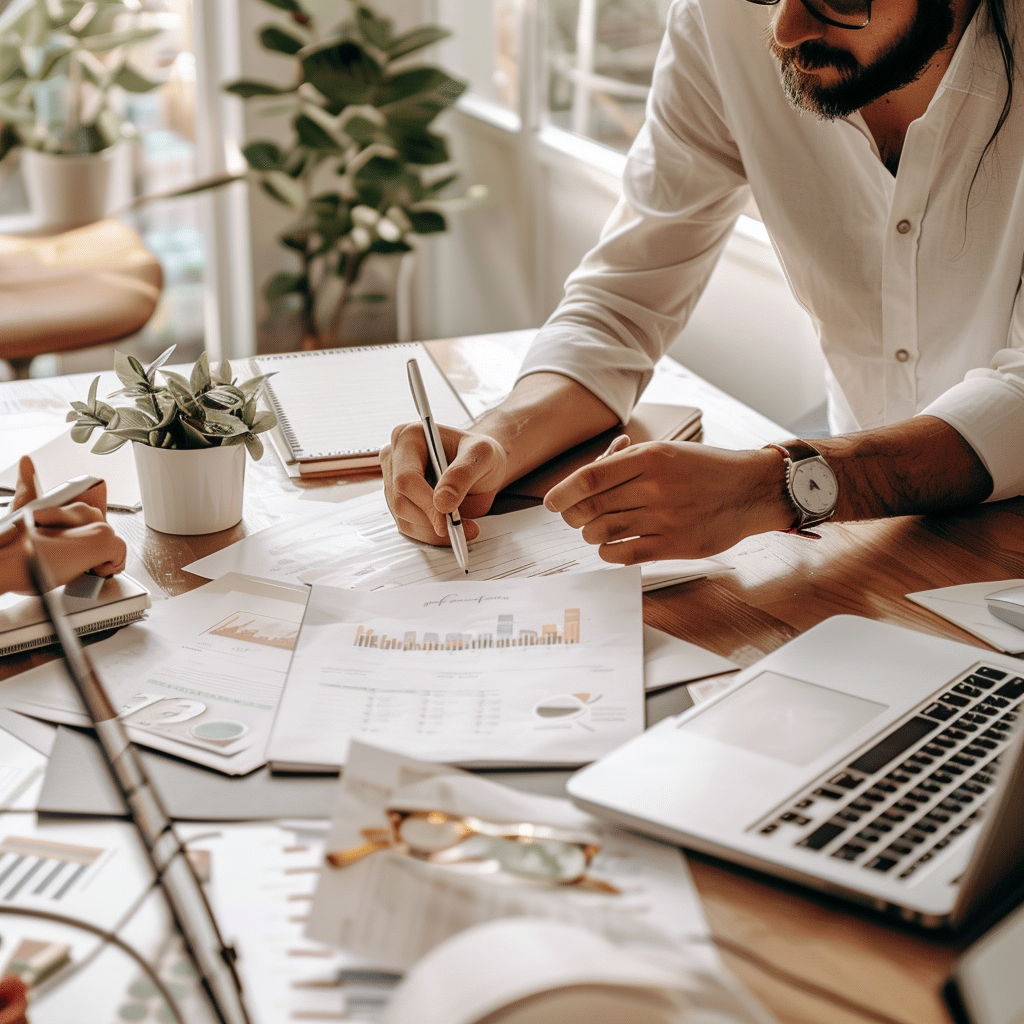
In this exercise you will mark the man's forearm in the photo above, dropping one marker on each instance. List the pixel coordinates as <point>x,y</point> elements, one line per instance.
<point>544,415</point>
<point>917,466</point>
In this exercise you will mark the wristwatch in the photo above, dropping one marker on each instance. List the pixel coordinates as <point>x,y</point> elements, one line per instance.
<point>810,483</point>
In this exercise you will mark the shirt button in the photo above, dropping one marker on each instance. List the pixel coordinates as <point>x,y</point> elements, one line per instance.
<point>902,355</point>
<point>903,227</point>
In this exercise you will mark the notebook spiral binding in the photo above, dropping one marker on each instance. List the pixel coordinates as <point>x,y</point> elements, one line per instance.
<point>116,622</point>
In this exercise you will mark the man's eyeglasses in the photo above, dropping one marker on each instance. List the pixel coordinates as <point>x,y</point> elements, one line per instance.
<point>540,852</point>
<point>840,13</point>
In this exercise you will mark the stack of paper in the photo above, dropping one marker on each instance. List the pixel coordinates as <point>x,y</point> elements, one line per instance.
<point>356,544</point>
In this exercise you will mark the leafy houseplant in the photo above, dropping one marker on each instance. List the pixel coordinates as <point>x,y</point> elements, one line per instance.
<point>361,173</point>
<point>189,438</point>
<point>64,65</point>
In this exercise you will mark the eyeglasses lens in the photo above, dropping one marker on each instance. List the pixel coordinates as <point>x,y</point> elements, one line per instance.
<point>848,13</point>
<point>842,13</point>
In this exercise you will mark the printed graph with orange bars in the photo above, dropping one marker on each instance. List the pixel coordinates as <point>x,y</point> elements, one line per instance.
<point>504,635</point>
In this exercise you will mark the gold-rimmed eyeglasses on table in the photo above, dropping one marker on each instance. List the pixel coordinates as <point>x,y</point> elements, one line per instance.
<point>540,852</point>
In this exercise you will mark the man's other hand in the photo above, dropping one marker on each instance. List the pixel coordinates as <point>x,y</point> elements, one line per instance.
<point>673,499</point>
<point>477,466</point>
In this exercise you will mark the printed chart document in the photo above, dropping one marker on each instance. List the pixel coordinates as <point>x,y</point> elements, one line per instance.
<point>200,678</point>
<point>394,909</point>
<point>545,671</point>
<point>357,544</point>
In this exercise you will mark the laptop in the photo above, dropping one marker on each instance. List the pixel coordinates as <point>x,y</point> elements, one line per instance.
<point>869,761</point>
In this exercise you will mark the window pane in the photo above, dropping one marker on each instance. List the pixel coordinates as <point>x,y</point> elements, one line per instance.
<point>485,47</point>
<point>600,59</point>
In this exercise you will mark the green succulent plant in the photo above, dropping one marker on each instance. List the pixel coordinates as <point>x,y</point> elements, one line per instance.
<point>207,409</point>
<point>363,172</point>
<point>61,63</point>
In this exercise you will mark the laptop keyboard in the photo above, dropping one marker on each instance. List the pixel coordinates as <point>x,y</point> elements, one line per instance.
<point>893,808</point>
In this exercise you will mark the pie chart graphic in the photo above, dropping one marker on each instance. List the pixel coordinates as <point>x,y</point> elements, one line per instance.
<point>563,705</point>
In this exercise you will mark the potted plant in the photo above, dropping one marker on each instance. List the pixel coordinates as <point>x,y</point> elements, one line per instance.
<point>363,172</point>
<point>63,67</point>
<point>189,437</point>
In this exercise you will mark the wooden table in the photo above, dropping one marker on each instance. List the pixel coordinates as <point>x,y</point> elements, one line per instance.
<point>781,586</point>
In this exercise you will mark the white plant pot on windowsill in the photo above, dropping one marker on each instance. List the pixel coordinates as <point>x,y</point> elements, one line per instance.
<point>67,190</point>
<point>192,491</point>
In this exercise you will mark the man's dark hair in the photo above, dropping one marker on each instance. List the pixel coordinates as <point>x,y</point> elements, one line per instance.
<point>997,20</point>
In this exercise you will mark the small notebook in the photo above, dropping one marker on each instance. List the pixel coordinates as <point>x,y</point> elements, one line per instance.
<point>336,408</point>
<point>61,459</point>
<point>24,624</point>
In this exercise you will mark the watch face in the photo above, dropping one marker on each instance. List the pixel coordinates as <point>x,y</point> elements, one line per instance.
<point>814,487</point>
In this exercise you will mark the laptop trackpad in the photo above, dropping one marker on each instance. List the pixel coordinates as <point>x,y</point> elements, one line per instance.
<point>784,718</point>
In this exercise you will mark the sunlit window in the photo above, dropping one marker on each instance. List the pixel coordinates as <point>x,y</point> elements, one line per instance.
<point>484,47</point>
<point>600,59</point>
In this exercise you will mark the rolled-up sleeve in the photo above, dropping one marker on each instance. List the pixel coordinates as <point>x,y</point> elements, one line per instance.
<point>987,409</point>
<point>683,188</point>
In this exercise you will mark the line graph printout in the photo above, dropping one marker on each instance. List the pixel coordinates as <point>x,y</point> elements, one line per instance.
<point>543,671</point>
<point>356,544</point>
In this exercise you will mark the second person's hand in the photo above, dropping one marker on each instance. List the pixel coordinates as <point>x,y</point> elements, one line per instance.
<point>477,465</point>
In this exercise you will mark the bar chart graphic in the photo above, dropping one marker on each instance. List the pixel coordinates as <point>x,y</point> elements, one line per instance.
<point>504,635</point>
<point>264,630</point>
<point>40,868</point>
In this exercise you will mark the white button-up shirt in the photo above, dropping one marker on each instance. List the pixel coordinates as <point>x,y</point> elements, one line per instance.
<point>912,281</point>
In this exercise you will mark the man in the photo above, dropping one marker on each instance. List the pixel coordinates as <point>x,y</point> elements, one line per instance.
<point>885,154</point>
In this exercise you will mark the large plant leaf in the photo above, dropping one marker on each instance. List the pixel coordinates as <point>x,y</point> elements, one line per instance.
<point>312,135</point>
<point>389,248</point>
<point>199,379</point>
<point>285,189</point>
<point>128,418</point>
<point>374,29</point>
<point>343,71</point>
<point>107,442</point>
<point>285,5</point>
<point>263,420</point>
<point>275,38</point>
<point>107,41</point>
<point>130,372</point>
<point>426,222</point>
<point>131,81</point>
<point>416,97</point>
<point>422,147</point>
<point>263,156</point>
<point>185,400</point>
<point>380,169</point>
<point>254,446</point>
<point>247,88</point>
<point>417,39</point>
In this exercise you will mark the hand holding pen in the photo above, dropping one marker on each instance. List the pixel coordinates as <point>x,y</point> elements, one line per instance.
<point>438,459</point>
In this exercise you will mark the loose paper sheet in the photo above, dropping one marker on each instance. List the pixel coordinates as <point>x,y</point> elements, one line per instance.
<point>669,660</point>
<point>356,544</point>
<point>965,607</point>
<point>200,678</point>
<point>394,909</point>
<point>545,671</point>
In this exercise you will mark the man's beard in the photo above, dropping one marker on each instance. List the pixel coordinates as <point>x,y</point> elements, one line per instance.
<point>859,85</point>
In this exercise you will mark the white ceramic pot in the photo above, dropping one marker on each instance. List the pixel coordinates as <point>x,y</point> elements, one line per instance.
<point>191,492</point>
<point>69,190</point>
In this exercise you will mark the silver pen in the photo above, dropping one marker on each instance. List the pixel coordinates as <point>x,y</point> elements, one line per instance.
<point>456,533</point>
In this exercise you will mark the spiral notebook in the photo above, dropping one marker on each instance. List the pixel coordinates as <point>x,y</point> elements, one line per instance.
<point>336,408</point>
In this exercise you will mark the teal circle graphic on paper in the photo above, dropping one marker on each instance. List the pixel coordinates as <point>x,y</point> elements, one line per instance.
<point>218,730</point>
